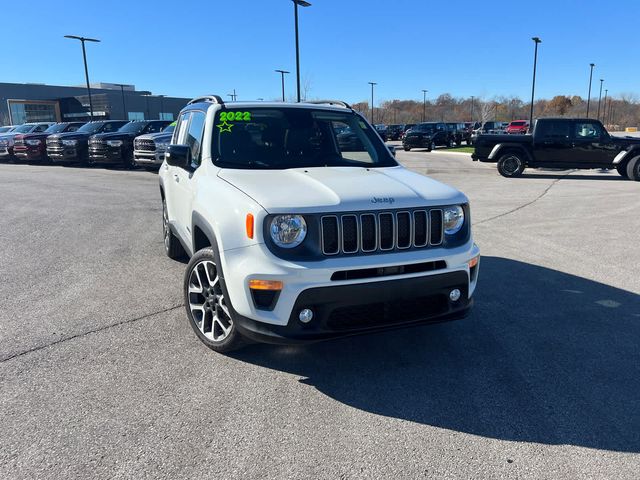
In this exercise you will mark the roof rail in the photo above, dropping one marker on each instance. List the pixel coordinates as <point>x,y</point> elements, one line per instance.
<point>207,98</point>
<point>330,102</point>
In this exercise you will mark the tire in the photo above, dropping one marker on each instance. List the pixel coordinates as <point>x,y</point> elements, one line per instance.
<point>511,165</point>
<point>172,246</point>
<point>129,161</point>
<point>209,310</point>
<point>633,169</point>
<point>407,149</point>
<point>622,170</point>
<point>469,142</point>
<point>449,143</point>
<point>458,143</point>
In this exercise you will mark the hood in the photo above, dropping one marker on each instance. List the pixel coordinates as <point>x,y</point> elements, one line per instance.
<point>626,140</point>
<point>113,136</point>
<point>70,136</point>
<point>327,189</point>
<point>28,136</point>
<point>157,137</point>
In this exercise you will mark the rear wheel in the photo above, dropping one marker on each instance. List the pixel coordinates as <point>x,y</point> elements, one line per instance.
<point>511,165</point>
<point>407,149</point>
<point>633,169</point>
<point>208,306</point>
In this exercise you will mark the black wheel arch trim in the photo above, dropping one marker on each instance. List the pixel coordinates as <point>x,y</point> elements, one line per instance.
<point>501,149</point>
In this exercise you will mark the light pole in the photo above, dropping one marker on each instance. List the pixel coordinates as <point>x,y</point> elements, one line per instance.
<point>302,3</point>
<point>372,84</point>
<point>604,106</point>
<point>589,96</point>
<point>600,98</point>
<point>424,104</point>
<point>472,97</point>
<point>282,72</point>
<point>533,84</point>
<point>86,70</point>
<point>124,106</point>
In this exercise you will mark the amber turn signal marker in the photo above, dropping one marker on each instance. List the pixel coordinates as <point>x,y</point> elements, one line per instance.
<point>473,262</point>
<point>249,225</point>
<point>265,284</point>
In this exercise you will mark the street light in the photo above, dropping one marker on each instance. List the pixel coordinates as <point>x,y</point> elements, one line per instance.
<point>533,84</point>
<point>424,104</point>
<point>302,3</point>
<point>86,70</point>
<point>282,72</point>
<point>589,96</point>
<point>600,98</point>
<point>604,106</point>
<point>372,84</point>
<point>124,107</point>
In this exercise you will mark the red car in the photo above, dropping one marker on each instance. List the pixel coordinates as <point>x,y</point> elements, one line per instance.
<point>32,146</point>
<point>518,126</point>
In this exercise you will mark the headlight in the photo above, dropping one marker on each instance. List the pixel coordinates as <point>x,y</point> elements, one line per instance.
<point>114,143</point>
<point>70,143</point>
<point>33,142</point>
<point>161,147</point>
<point>453,219</point>
<point>288,231</point>
<point>4,143</point>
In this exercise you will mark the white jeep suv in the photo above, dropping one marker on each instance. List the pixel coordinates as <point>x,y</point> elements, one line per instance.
<point>300,225</point>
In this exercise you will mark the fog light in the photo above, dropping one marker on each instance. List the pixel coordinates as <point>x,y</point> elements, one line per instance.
<point>454,295</point>
<point>305,315</point>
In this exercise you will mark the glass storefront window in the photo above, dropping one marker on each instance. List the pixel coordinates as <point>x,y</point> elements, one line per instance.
<point>24,112</point>
<point>136,115</point>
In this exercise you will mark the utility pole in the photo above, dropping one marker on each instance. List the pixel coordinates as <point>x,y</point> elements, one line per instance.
<point>533,84</point>
<point>589,96</point>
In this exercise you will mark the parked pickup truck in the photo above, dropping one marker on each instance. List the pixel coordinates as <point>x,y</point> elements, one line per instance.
<point>72,146</point>
<point>149,149</point>
<point>32,146</point>
<point>561,143</point>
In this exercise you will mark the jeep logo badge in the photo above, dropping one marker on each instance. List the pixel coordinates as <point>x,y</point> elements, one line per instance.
<point>389,200</point>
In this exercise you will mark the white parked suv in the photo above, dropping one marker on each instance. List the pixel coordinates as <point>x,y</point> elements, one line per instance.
<point>301,226</point>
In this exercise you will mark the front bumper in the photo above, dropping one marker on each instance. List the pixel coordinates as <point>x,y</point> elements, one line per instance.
<point>64,154</point>
<point>346,307</point>
<point>107,154</point>
<point>417,142</point>
<point>142,157</point>
<point>29,153</point>
<point>6,152</point>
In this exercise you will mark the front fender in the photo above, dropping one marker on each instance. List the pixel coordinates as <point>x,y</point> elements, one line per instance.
<point>626,154</point>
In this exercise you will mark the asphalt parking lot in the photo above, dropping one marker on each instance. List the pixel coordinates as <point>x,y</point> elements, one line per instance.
<point>102,377</point>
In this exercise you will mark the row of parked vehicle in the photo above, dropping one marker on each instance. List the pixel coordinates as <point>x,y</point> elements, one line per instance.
<point>120,142</point>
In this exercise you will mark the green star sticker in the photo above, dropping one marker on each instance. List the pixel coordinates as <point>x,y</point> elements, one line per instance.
<point>224,126</point>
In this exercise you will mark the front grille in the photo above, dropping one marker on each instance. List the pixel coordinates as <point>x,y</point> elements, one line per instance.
<point>53,142</point>
<point>145,145</point>
<point>95,142</point>
<point>18,142</point>
<point>386,313</point>
<point>384,231</point>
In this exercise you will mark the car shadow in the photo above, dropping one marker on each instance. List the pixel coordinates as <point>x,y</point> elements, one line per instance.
<point>545,357</point>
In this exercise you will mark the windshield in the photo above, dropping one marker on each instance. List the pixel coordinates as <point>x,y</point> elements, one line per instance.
<point>280,138</point>
<point>24,128</point>
<point>57,128</point>
<point>424,127</point>
<point>133,127</point>
<point>91,127</point>
<point>169,128</point>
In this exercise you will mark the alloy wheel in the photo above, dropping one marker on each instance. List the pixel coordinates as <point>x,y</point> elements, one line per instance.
<point>207,303</point>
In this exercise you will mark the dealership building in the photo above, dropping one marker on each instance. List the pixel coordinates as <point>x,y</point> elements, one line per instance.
<point>28,102</point>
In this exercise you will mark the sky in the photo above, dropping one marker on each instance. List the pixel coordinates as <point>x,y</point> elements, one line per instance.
<point>188,48</point>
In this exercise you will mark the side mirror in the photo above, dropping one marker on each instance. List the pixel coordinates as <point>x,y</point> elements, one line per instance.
<point>392,149</point>
<point>178,156</point>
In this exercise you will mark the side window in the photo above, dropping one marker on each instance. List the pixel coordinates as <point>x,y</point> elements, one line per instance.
<point>351,143</point>
<point>180,133</point>
<point>194,135</point>
<point>587,130</point>
<point>554,130</point>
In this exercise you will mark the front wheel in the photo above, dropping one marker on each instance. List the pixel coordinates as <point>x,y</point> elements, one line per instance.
<point>622,170</point>
<point>511,165</point>
<point>407,149</point>
<point>208,306</point>
<point>633,169</point>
